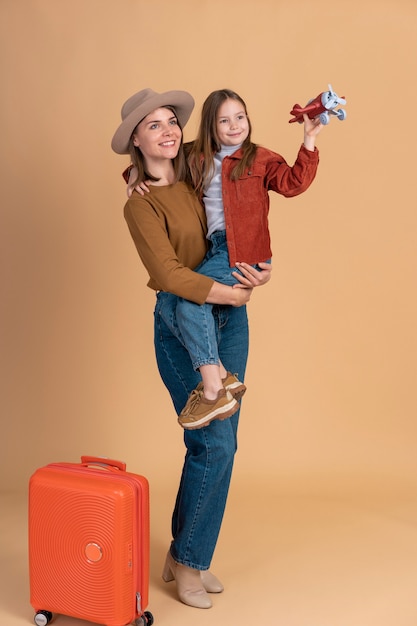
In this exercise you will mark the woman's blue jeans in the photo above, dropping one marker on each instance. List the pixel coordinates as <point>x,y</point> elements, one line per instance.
<point>210,451</point>
<point>194,324</point>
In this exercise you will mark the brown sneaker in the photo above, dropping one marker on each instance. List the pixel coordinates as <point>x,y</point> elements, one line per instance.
<point>233,384</point>
<point>199,411</point>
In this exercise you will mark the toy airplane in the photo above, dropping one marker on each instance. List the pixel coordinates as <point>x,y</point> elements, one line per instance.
<point>322,107</point>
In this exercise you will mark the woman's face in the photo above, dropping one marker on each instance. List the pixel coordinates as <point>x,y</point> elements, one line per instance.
<point>158,136</point>
<point>232,123</point>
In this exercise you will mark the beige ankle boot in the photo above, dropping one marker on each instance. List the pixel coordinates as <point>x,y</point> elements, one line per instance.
<point>210,583</point>
<point>190,588</point>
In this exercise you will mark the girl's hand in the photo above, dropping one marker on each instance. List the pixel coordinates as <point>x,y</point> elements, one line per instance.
<point>249,277</point>
<point>311,130</point>
<point>312,127</point>
<point>141,188</point>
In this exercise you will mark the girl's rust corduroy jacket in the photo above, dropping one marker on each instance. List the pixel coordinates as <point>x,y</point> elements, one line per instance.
<point>246,200</point>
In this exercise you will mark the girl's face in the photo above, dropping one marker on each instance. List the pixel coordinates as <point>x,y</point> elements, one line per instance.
<point>232,123</point>
<point>158,136</point>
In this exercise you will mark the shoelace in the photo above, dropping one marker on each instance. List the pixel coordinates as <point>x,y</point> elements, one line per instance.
<point>192,401</point>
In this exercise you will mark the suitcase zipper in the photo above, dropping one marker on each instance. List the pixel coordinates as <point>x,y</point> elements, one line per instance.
<point>138,603</point>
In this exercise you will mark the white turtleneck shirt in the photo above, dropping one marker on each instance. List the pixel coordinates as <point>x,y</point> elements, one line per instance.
<point>212,196</point>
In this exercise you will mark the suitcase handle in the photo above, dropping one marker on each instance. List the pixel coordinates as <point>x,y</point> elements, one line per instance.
<point>105,463</point>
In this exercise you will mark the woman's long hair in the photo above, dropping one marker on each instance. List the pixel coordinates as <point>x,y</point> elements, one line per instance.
<point>138,161</point>
<point>201,154</point>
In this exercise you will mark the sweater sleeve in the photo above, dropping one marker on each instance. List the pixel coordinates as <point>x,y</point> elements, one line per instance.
<point>169,248</point>
<point>293,180</point>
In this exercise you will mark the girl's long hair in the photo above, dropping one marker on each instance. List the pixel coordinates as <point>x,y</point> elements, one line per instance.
<point>138,161</point>
<point>201,153</point>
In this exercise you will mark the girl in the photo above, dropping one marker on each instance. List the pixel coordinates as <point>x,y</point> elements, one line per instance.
<point>232,176</point>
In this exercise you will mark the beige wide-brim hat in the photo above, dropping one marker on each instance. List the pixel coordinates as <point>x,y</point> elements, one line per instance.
<point>144,102</point>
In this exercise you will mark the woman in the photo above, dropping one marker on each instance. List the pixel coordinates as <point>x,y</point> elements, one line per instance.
<point>168,228</point>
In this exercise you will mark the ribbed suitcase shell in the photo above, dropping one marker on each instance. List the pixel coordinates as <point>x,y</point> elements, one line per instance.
<point>89,541</point>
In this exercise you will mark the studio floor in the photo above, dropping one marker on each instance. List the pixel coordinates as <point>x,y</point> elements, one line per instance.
<point>284,559</point>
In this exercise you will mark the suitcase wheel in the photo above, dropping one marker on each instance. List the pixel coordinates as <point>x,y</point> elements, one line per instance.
<point>145,620</point>
<point>42,618</point>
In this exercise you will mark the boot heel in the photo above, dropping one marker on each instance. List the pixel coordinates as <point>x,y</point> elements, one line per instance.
<point>167,574</point>
<point>189,586</point>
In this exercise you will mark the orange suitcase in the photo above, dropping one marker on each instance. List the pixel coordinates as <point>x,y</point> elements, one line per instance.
<point>89,543</point>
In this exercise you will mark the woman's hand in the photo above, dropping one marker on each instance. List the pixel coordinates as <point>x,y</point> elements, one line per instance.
<point>224,294</point>
<point>241,296</point>
<point>249,277</point>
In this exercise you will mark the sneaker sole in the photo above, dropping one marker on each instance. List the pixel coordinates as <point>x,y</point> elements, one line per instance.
<point>221,414</point>
<point>237,390</point>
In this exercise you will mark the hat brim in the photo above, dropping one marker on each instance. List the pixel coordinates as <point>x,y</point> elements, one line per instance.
<point>181,101</point>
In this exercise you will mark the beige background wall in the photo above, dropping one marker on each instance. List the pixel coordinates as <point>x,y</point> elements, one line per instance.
<point>331,405</point>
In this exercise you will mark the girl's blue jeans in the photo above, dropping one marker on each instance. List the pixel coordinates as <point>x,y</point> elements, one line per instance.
<point>210,451</point>
<point>194,324</point>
